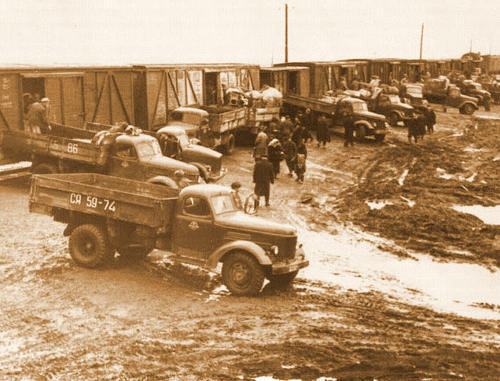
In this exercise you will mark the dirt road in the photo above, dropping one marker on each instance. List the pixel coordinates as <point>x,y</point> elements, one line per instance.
<point>378,301</point>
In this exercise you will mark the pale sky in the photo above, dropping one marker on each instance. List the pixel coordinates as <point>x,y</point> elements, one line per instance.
<point>113,32</point>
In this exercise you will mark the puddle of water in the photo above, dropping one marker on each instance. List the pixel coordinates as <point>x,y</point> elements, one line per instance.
<point>353,261</point>
<point>488,214</point>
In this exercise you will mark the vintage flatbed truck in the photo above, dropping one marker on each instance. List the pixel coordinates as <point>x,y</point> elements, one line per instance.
<point>439,90</point>
<point>200,225</point>
<point>131,156</point>
<point>214,126</point>
<point>366,123</point>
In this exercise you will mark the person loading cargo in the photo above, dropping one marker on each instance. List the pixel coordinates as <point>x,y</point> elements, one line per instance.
<point>38,117</point>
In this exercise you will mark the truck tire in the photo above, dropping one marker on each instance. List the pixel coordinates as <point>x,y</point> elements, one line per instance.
<point>134,252</point>
<point>393,119</point>
<point>229,146</point>
<point>282,281</point>
<point>45,168</point>
<point>242,274</point>
<point>88,246</point>
<point>468,109</point>
<point>360,132</point>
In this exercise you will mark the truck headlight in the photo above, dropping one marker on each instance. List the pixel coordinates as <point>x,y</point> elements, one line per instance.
<point>275,250</point>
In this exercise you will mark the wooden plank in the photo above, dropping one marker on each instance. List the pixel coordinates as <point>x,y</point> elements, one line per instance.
<point>99,97</point>
<point>124,109</point>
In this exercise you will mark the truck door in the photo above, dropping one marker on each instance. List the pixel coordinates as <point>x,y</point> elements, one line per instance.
<point>124,162</point>
<point>194,231</point>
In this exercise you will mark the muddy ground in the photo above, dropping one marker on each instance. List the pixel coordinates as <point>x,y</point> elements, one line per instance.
<point>400,287</point>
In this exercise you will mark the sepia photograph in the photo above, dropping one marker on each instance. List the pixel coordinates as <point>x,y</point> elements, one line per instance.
<point>250,190</point>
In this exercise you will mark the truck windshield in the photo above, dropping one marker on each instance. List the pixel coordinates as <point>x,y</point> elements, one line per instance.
<point>359,106</point>
<point>148,150</point>
<point>223,204</point>
<point>183,141</point>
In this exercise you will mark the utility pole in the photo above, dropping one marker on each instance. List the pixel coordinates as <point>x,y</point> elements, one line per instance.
<point>421,41</point>
<point>286,33</point>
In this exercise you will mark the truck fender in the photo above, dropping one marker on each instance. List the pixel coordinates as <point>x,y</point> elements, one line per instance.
<point>250,247</point>
<point>468,102</point>
<point>163,180</point>
<point>202,170</point>
<point>400,113</point>
<point>363,123</point>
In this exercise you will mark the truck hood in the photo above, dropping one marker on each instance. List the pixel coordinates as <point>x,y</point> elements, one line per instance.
<point>173,165</point>
<point>369,115</point>
<point>246,222</point>
<point>468,98</point>
<point>403,106</point>
<point>195,153</point>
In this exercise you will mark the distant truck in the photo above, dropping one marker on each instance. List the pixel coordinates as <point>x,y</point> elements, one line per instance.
<point>412,93</point>
<point>366,123</point>
<point>176,144</point>
<point>474,89</point>
<point>439,90</point>
<point>214,126</point>
<point>387,104</point>
<point>201,225</point>
<point>133,156</point>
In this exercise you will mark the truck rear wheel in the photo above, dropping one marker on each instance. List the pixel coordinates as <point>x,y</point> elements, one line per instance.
<point>45,168</point>
<point>88,246</point>
<point>282,281</point>
<point>242,274</point>
<point>229,146</point>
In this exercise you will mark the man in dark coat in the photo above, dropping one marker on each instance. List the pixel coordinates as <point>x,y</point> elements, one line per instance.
<point>307,122</point>
<point>348,129</point>
<point>411,125</point>
<point>290,150</point>
<point>263,177</point>
<point>322,131</point>
<point>274,153</point>
<point>430,119</point>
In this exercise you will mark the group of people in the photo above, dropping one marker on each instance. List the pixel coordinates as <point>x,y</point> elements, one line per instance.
<point>420,123</point>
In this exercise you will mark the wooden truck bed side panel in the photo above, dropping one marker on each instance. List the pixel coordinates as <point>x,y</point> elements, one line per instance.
<point>107,196</point>
<point>313,104</point>
<point>57,146</point>
<point>227,121</point>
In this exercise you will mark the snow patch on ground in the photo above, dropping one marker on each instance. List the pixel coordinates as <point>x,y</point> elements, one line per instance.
<point>488,214</point>
<point>378,204</point>
<point>402,178</point>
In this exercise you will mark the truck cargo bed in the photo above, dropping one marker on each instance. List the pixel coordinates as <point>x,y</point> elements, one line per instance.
<point>113,197</point>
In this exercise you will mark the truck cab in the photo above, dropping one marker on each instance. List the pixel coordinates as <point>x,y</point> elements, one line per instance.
<point>366,123</point>
<point>209,228</point>
<point>175,144</point>
<point>139,157</point>
<point>190,119</point>
<point>391,106</point>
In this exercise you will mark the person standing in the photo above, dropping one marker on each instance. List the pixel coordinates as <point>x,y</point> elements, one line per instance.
<point>263,177</point>
<point>322,131</point>
<point>348,129</point>
<point>307,123</point>
<point>260,144</point>
<point>274,152</point>
<point>290,150</point>
<point>38,117</point>
<point>430,119</point>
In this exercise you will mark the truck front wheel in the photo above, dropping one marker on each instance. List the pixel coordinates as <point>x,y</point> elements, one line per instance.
<point>468,109</point>
<point>229,146</point>
<point>88,246</point>
<point>360,132</point>
<point>393,119</point>
<point>242,274</point>
<point>282,281</point>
